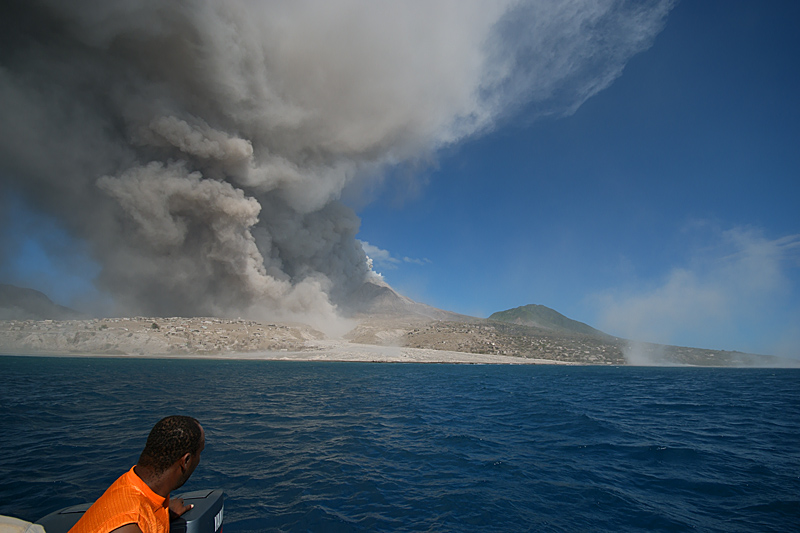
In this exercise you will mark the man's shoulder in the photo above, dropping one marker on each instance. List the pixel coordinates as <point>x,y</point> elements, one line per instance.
<point>124,484</point>
<point>124,493</point>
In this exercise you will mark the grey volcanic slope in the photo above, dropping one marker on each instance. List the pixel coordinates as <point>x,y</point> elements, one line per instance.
<point>543,317</point>
<point>376,298</point>
<point>17,303</point>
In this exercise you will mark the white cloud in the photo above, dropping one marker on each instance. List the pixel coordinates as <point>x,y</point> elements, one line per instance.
<point>734,291</point>
<point>379,256</point>
<point>413,261</point>
<point>384,259</point>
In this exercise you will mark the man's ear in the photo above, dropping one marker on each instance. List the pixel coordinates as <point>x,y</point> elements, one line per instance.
<point>185,460</point>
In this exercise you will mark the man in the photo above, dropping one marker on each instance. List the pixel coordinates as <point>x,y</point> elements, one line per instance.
<point>139,502</point>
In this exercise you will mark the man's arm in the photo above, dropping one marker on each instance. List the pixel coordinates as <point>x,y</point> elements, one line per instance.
<point>128,528</point>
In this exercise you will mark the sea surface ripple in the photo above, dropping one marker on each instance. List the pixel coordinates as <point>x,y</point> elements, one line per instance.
<point>412,447</point>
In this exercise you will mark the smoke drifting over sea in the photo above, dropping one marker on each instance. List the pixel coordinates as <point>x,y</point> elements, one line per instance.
<point>201,147</point>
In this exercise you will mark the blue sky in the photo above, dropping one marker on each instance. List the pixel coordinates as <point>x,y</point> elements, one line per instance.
<point>667,208</point>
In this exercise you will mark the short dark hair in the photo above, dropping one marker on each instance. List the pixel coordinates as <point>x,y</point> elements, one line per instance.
<point>169,440</point>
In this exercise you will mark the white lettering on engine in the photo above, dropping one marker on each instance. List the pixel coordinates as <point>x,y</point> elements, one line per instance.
<point>218,519</point>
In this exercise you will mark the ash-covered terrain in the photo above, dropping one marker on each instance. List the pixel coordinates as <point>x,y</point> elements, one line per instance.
<point>483,336</point>
<point>389,327</point>
<point>150,336</point>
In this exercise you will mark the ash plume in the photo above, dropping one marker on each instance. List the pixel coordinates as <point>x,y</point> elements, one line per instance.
<point>201,147</point>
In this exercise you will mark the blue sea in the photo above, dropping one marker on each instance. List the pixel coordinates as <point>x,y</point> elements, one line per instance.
<point>301,446</point>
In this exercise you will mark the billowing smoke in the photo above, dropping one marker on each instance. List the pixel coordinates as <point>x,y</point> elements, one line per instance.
<point>201,147</point>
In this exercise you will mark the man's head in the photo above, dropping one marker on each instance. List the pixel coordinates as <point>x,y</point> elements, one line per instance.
<point>175,439</point>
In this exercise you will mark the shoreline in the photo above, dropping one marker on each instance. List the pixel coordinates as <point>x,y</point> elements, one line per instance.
<point>379,340</point>
<point>238,339</point>
<point>330,351</point>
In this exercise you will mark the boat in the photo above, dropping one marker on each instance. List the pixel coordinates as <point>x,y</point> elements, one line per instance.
<point>205,517</point>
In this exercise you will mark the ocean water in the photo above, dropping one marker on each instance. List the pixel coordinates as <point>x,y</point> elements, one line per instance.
<point>408,447</point>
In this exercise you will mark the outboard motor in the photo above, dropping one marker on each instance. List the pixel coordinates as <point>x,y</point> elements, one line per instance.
<point>205,517</point>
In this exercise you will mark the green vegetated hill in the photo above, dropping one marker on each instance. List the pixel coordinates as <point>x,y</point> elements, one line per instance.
<point>543,317</point>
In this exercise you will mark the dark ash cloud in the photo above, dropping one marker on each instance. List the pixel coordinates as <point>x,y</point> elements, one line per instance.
<point>201,147</point>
